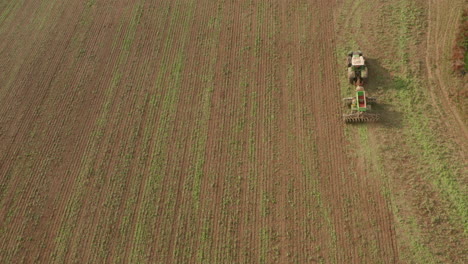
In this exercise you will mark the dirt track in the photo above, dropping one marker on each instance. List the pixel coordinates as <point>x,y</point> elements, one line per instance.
<point>439,40</point>
<point>180,132</point>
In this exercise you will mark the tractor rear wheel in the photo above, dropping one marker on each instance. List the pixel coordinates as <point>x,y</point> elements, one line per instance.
<point>348,101</point>
<point>351,75</point>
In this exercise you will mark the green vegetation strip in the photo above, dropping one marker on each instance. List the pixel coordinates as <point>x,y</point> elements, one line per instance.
<point>443,172</point>
<point>205,236</point>
<point>171,68</point>
<point>407,94</point>
<point>425,140</point>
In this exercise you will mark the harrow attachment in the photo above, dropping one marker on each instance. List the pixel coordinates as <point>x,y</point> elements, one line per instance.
<point>360,117</point>
<point>360,107</point>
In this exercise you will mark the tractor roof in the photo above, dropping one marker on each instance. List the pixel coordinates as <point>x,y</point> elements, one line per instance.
<point>357,61</point>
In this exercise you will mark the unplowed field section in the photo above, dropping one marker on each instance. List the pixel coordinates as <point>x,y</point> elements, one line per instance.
<point>180,132</point>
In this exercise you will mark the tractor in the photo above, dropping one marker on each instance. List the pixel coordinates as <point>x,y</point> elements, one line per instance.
<point>357,69</point>
<point>360,106</point>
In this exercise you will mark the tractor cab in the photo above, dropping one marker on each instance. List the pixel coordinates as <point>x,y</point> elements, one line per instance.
<point>357,60</point>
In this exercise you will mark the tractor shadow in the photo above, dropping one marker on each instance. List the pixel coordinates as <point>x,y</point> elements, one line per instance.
<point>379,83</point>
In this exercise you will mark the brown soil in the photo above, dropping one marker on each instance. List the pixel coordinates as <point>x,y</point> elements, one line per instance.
<point>215,136</point>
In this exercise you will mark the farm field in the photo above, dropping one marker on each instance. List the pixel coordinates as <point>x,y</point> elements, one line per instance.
<point>211,132</point>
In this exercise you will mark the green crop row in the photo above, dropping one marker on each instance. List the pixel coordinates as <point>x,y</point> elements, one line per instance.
<point>158,135</point>
<point>205,235</point>
<point>8,8</point>
<point>90,170</point>
<point>35,166</point>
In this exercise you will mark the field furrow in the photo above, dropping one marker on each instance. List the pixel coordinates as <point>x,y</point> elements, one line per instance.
<point>211,132</point>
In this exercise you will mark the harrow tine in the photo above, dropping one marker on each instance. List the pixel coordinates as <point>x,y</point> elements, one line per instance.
<point>360,118</point>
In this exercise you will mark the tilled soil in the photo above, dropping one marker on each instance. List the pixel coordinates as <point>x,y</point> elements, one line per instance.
<point>180,132</point>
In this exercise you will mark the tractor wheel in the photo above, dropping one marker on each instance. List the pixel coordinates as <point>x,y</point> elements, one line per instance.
<point>348,101</point>
<point>351,75</point>
<point>364,73</point>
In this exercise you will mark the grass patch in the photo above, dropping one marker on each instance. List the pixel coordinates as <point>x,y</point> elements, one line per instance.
<point>418,129</point>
